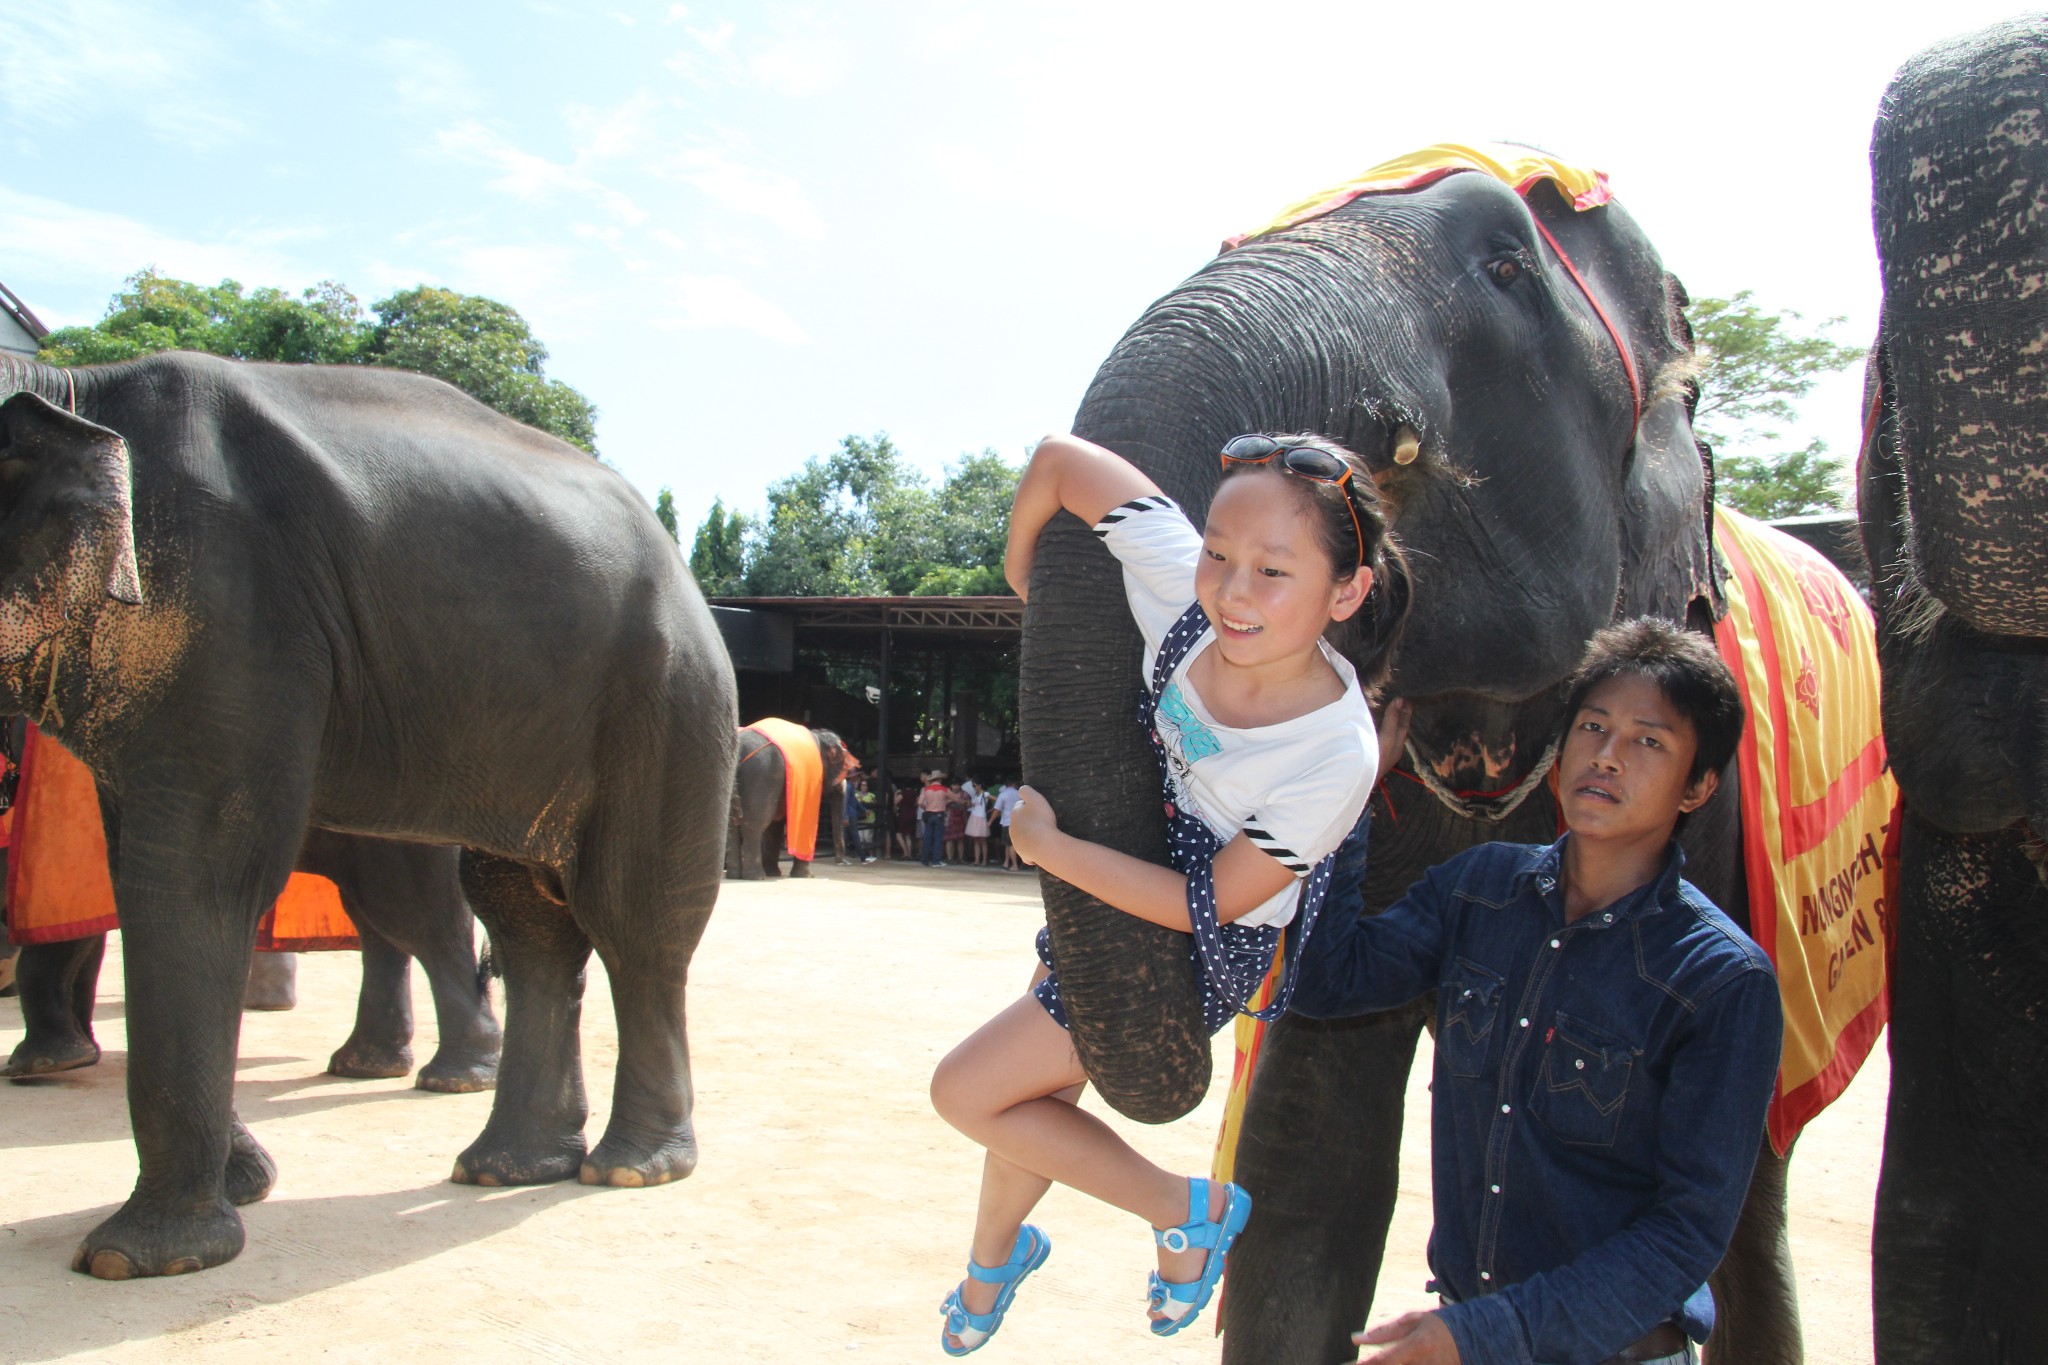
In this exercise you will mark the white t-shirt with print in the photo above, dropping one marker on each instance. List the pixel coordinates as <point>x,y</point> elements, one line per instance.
<point>1295,788</point>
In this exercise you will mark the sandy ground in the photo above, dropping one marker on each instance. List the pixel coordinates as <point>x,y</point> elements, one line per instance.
<point>828,1216</point>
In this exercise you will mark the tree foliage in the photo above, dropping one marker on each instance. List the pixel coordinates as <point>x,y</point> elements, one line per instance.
<point>862,522</point>
<point>479,345</point>
<point>1757,363</point>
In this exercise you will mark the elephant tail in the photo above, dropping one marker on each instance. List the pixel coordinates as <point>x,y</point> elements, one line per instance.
<point>487,966</point>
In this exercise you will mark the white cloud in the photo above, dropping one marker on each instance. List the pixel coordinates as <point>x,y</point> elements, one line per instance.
<point>526,176</point>
<point>64,241</point>
<point>747,190</point>
<point>426,78</point>
<point>703,302</point>
<point>62,64</point>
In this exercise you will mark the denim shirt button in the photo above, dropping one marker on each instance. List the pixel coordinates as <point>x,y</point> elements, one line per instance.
<point>1553,943</point>
<point>1580,1063</point>
<point>1496,1189</point>
<point>1507,1109</point>
<point>1525,1023</point>
<point>1607,919</point>
<point>1486,1274</point>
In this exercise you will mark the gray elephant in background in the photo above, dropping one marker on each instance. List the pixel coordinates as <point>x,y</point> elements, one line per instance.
<point>257,598</point>
<point>1954,509</point>
<point>760,799</point>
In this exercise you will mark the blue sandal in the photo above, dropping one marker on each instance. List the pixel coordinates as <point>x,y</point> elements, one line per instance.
<point>1183,1302</point>
<point>972,1329</point>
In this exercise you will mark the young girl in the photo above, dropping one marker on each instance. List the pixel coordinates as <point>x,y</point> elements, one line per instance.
<point>1269,754</point>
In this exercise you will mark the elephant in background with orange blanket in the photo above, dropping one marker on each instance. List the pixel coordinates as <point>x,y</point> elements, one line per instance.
<point>761,824</point>
<point>405,900</point>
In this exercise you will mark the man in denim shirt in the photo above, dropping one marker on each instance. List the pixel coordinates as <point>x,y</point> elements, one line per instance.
<point>1606,1039</point>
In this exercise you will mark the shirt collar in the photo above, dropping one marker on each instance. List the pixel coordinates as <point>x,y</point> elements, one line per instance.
<point>1547,872</point>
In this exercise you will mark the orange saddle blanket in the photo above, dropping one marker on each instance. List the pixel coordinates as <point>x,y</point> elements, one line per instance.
<point>58,886</point>
<point>803,783</point>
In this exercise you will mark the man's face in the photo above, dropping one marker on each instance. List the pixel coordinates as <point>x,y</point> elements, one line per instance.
<point>1624,767</point>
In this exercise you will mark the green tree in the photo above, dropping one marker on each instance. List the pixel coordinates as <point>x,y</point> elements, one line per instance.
<point>718,555</point>
<point>863,522</point>
<point>1757,363</point>
<point>665,513</point>
<point>479,345</point>
<point>484,348</point>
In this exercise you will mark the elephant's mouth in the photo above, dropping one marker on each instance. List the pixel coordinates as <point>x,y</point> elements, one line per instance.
<point>1480,757</point>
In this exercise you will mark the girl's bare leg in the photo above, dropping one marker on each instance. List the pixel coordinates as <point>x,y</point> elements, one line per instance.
<point>1012,1086</point>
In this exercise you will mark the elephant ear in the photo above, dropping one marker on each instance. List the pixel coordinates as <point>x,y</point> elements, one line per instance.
<point>66,522</point>
<point>1666,555</point>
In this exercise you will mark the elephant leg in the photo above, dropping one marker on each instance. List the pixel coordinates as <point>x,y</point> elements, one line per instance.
<point>57,1023</point>
<point>646,928</point>
<point>535,1132</point>
<point>406,899</point>
<point>1321,1152</point>
<point>1962,1196</point>
<point>273,982</point>
<point>380,1045</point>
<point>773,835</point>
<point>1756,1297</point>
<point>188,924</point>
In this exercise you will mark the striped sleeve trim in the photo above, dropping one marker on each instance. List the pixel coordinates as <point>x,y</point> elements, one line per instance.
<point>1133,508</point>
<point>1280,852</point>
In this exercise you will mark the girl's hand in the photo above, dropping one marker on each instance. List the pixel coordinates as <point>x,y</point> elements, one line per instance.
<point>1394,719</point>
<point>1411,1339</point>
<point>1031,820</point>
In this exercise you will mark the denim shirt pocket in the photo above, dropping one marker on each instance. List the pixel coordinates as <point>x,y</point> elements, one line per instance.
<point>1582,1088</point>
<point>1471,1006</point>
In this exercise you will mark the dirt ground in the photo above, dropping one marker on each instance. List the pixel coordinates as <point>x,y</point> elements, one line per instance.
<point>828,1216</point>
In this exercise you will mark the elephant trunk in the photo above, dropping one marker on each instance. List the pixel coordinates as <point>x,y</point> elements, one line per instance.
<point>1961,173</point>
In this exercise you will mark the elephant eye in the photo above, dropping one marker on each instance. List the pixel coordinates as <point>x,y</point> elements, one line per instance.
<point>1505,270</point>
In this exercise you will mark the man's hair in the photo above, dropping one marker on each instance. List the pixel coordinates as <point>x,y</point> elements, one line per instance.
<point>1686,668</point>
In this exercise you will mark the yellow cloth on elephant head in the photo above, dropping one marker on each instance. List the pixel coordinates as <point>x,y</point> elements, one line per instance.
<point>1819,806</point>
<point>58,887</point>
<point>1516,166</point>
<point>803,783</point>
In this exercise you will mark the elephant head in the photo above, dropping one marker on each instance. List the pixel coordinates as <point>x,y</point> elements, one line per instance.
<point>1954,479</point>
<point>1960,181</point>
<point>1517,373</point>
<point>67,545</point>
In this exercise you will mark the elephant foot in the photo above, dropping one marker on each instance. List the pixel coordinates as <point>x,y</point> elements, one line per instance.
<point>273,982</point>
<point>361,1060</point>
<point>625,1164</point>
<point>43,1057</point>
<point>492,1162</point>
<point>458,1072</point>
<point>250,1175</point>
<point>799,868</point>
<point>136,1242</point>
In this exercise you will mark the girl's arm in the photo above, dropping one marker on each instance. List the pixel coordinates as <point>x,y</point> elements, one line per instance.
<point>1246,875</point>
<point>1066,473</point>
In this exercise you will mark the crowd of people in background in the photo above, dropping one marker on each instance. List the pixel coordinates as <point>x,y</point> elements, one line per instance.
<point>939,821</point>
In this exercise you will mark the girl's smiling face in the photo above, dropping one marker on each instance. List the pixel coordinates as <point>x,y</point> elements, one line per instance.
<point>1264,580</point>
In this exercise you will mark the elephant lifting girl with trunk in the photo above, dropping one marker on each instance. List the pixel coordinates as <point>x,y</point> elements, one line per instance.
<point>254,598</point>
<point>1517,371</point>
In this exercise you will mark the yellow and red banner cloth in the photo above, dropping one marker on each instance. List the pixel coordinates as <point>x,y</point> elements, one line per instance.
<point>1520,168</point>
<point>58,887</point>
<point>803,783</point>
<point>1818,805</point>
<point>1819,821</point>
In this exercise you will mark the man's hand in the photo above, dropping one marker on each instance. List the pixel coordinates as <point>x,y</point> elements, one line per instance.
<point>1031,819</point>
<point>1411,1339</point>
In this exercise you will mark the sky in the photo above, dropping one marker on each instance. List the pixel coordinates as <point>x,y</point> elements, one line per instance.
<point>745,230</point>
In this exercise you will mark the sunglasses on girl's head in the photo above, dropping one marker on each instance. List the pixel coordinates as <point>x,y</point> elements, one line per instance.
<point>1308,462</point>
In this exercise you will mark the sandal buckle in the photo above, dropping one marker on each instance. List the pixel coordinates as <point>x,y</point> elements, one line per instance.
<point>1175,1240</point>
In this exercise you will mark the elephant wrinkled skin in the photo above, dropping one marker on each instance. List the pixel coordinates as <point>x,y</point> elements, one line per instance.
<point>1955,521</point>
